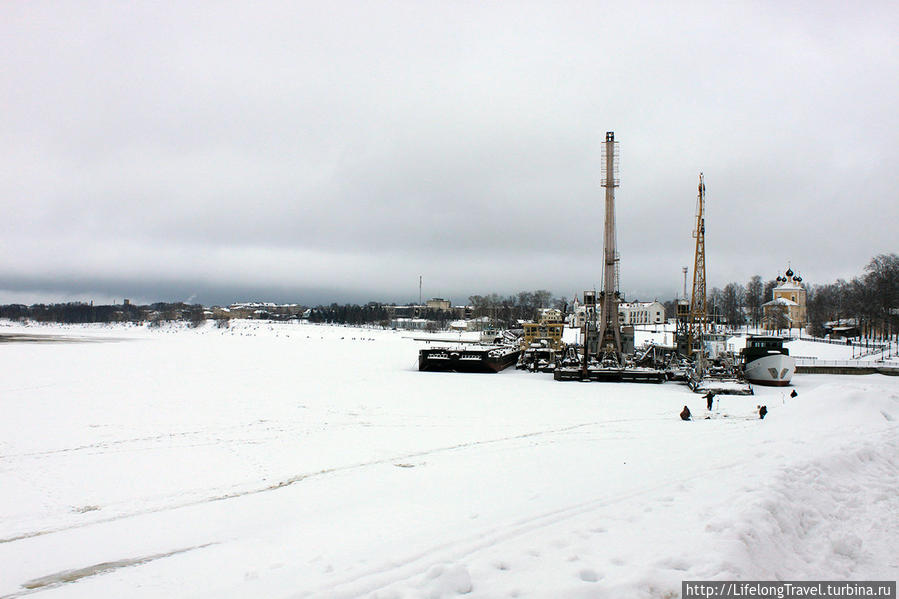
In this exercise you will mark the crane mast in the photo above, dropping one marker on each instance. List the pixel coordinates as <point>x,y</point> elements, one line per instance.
<point>698,310</point>
<point>609,326</point>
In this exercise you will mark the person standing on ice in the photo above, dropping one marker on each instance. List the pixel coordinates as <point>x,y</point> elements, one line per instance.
<point>709,398</point>
<point>762,411</point>
<point>685,413</point>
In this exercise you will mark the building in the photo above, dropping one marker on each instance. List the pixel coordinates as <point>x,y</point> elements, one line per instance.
<point>548,332</point>
<point>629,313</point>
<point>550,315</point>
<point>787,309</point>
<point>641,313</point>
<point>415,311</point>
<point>438,303</point>
<point>260,310</point>
<point>841,329</point>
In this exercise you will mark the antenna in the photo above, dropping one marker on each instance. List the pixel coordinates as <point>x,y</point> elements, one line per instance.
<point>419,290</point>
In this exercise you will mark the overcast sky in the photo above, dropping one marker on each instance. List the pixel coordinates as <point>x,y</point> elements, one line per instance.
<point>335,151</point>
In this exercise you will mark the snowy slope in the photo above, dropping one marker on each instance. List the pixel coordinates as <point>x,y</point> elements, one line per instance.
<point>285,460</point>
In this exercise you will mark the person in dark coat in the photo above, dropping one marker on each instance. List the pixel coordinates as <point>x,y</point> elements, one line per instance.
<point>762,411</point>
<point>709,398</point>
<point>685,413</point>
<point>793,394</point>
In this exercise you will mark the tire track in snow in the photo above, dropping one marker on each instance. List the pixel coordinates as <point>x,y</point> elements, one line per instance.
<point>204,434</point>
<point>301,477</point>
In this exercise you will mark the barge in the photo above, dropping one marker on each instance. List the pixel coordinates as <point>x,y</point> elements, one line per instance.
<point>468,358</point>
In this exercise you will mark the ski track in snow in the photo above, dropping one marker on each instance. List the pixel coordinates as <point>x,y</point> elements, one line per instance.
<point>291,480</point>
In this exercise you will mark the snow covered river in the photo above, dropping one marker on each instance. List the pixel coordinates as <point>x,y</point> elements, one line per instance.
<point>285,460</point>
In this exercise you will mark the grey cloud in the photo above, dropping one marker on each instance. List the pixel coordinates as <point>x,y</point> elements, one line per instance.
<point>351,147</point>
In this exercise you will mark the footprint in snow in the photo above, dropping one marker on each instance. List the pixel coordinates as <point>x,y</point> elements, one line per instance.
<point>588,575</point>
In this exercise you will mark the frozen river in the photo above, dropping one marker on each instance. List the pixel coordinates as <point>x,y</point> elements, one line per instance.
<point>270,460</point>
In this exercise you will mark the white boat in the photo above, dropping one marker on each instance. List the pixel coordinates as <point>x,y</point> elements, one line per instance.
<point>767,362</point>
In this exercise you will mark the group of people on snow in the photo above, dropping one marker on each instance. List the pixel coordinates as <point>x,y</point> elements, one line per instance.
<point>710,398</point>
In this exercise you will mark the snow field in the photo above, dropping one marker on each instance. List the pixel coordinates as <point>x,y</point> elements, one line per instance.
<point>298,460</point>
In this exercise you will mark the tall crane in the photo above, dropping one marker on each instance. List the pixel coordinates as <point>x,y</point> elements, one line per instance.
<point>609,326</point>
<point>698,309</point>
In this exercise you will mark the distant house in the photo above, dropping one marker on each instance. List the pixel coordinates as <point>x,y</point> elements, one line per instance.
<point>438,303</point>
<point>841,329</point>
<point>550,315</point>
<point>411,324</point>
<point>629,313</point>
<point>264,310</point>
<point>641,313</point>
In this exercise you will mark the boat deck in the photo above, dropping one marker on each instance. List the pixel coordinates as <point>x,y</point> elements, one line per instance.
<point>610,375</point>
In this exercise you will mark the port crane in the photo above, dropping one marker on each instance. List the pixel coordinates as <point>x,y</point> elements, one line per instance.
<point>698,318</point>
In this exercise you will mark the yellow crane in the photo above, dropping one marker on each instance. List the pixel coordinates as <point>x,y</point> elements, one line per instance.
<point>698,310</point>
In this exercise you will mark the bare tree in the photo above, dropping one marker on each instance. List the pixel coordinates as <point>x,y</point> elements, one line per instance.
<point>754,292</point>
<point>732,303</point>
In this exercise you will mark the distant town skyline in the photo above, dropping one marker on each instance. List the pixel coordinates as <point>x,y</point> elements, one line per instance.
<point>311,153</point>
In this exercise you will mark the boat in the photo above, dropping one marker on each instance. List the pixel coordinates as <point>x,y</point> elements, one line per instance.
<point>767,362</point>
<point>468,358</point>
<point>537,358</point>
<point>572,368</point>
<point>721,375</point>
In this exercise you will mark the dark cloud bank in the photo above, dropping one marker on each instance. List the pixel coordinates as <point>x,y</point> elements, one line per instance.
<point>316,153</point>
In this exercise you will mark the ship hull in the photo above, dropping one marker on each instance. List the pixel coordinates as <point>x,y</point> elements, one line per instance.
<point>467,359</point>
<point>775,370</point>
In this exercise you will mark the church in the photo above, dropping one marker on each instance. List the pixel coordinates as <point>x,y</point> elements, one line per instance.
<point>788,307</point>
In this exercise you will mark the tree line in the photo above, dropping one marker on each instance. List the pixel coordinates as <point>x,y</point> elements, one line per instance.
<point>83,313</point>
<point>524,305</point>
<point>370,313</point>
<point>871,300</point>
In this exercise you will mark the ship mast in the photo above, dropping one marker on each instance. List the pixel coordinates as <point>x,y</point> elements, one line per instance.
<point>698,309</point>
<point>609,327</point>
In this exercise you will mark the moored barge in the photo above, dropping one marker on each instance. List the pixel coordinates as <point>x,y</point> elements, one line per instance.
<point>468,358</point>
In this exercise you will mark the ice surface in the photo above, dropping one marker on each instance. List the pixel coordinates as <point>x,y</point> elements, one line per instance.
<point>288,460</point>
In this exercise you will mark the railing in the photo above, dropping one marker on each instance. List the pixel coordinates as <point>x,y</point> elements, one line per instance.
<point>875,346</point>
<point>829,341</point>
<point>803,361</point>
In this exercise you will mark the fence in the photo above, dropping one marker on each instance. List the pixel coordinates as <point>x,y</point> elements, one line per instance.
<point>830,341</point>
<point>804,361</point>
